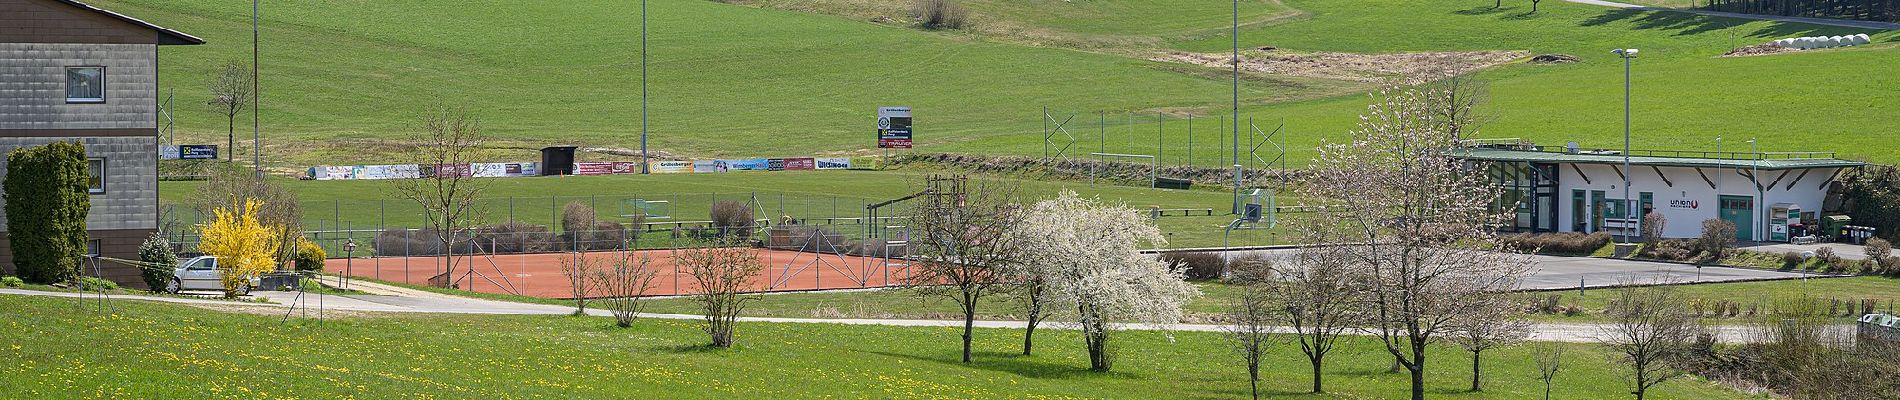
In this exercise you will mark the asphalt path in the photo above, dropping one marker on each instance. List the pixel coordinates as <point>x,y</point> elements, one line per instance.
<point>1553,272</point>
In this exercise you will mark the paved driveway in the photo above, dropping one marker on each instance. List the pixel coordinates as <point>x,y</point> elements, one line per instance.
<point>1552,272</point>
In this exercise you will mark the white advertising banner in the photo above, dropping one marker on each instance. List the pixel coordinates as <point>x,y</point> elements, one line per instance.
<point>672,167</point>
<point>834,163</point>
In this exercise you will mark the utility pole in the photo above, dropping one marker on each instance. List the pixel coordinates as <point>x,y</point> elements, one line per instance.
<point>645,160</point>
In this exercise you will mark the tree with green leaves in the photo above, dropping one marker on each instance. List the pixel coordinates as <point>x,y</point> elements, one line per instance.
<point>46,211</point>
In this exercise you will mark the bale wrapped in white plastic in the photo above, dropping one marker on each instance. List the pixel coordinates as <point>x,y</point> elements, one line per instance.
<point>1804,43</point>
<point>1861,38</point>
<point>1837,41</point>
<point>1785,42</point>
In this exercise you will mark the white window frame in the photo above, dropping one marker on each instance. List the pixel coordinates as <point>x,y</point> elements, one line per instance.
<point>104,165</point>
<point>68,85</point>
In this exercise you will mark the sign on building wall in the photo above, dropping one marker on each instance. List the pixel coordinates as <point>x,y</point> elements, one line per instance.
<point>893,128</point>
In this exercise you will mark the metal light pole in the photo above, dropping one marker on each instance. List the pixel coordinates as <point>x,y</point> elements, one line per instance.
<point>1626,55</point>
<point>1754,174</point>
<point>1236,110</point>
<point>257,146</point>
<point>645,160</point>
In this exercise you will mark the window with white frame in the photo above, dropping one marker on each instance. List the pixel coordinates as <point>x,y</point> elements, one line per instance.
<point>95,175</point>
<point>85,84</point>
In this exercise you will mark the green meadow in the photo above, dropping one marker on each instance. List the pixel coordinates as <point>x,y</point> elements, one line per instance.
<point>344,81</point>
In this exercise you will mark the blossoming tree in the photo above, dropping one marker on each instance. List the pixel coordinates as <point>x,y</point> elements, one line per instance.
<point>1088,250</point>
<point>244,247</point>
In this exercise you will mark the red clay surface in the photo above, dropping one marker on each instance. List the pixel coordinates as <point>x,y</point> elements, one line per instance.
<point>540,275</point>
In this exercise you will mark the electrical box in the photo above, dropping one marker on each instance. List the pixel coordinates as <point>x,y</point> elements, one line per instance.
<point>1780,217</point>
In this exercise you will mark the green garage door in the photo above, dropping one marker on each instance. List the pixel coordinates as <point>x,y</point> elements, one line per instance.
<point>1741,211</point>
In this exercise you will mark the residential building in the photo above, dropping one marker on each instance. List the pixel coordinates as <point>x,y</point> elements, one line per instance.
<point>73,72</point>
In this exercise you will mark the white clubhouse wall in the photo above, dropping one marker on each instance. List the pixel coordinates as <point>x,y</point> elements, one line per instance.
<point>1685,184</point>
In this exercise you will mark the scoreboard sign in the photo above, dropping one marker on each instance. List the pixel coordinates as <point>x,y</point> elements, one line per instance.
<point>893,128</point>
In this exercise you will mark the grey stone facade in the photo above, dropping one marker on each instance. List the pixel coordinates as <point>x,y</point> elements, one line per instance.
<point>130,200</point>
<point>33,86</point>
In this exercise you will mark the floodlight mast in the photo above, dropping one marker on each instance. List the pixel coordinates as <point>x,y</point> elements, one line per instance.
<point>1236,109</point>
<point>645,160</point>
<point>1627,55</point>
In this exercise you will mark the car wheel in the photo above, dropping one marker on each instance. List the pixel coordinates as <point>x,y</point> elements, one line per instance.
<point>173,286</point>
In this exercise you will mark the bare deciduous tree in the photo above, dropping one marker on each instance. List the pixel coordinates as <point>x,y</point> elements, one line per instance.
<point>1250,322</point>
<point>1549,357</point>
<point>961,236</point>
<point>230,93</point>
<point>1091,247</point>
<point>1414,219</point>
<point>579,269</point>
<point>1648,326</point>
<point>445,187</point>
<point>722,271</point>
<point>1497,322</point>
<point>623,283</point>
<point>1035,295</point>
<point>1316,296</point>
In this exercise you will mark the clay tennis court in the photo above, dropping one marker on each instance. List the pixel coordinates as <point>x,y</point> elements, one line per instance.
<point>540,274</point>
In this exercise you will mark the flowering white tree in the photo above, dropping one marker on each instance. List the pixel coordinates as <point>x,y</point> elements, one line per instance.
<point>1089,252</point>
<point>1414,219</point>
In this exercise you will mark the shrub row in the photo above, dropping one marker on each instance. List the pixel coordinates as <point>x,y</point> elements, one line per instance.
<point>1567,243</point>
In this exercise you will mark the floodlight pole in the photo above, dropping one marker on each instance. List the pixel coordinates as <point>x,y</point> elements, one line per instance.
<point>645,160</point>
<point>1626,55</point>
<point>257,146</point>
<point>1236,109</point>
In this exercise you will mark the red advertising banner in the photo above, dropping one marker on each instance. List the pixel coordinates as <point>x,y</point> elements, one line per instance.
<point>593,168</point>
<point>626,168</point>
<point>801,164</point>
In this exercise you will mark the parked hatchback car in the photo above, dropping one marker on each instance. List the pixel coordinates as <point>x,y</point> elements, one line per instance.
<point>202,273</point>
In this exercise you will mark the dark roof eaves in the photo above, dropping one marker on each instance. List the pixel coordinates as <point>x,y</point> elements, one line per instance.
<point>176,37</point>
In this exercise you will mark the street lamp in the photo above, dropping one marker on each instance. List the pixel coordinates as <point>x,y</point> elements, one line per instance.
<point>645,160</point>
<point>349,261</point>
<point>1626,55</point>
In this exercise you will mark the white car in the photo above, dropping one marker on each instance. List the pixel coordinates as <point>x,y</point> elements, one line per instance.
<point>202,273</point>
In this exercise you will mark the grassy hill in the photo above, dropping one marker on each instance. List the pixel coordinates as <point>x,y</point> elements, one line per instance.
<point>785,77</point>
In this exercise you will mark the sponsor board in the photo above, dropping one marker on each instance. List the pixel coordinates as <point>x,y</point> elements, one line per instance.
<point>171,153</point>
<point>800,164</point>
<point>626,167</point>
<point>893,127</point>
<point>832,163</point>
<point>775,164</point>
<point>673,167</point>
<point>756,164</point>
<point>708,166</point>
<point>489,170</point>
<point>593,168</point>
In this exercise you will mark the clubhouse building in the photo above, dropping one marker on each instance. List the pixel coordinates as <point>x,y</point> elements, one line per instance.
<point>73,72</point>
<point>1569,189</point>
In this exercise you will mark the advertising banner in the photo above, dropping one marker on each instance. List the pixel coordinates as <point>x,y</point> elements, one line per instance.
<point>198,152</point>
<point>626,167</point>
<point>673,167</point>
<point>893,127</point>
<point>446,170</point>
<point>489,170</point>
<point>593,168</point>
<point>708,166</point>
<point>756,164</point>
<point>171,153</point>
<point>775,164</point>
<point>833,163</point>
<point>800,164</point>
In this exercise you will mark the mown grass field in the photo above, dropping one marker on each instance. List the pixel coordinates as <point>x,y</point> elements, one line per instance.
<point>57,348</point>
<point>344,78</point>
